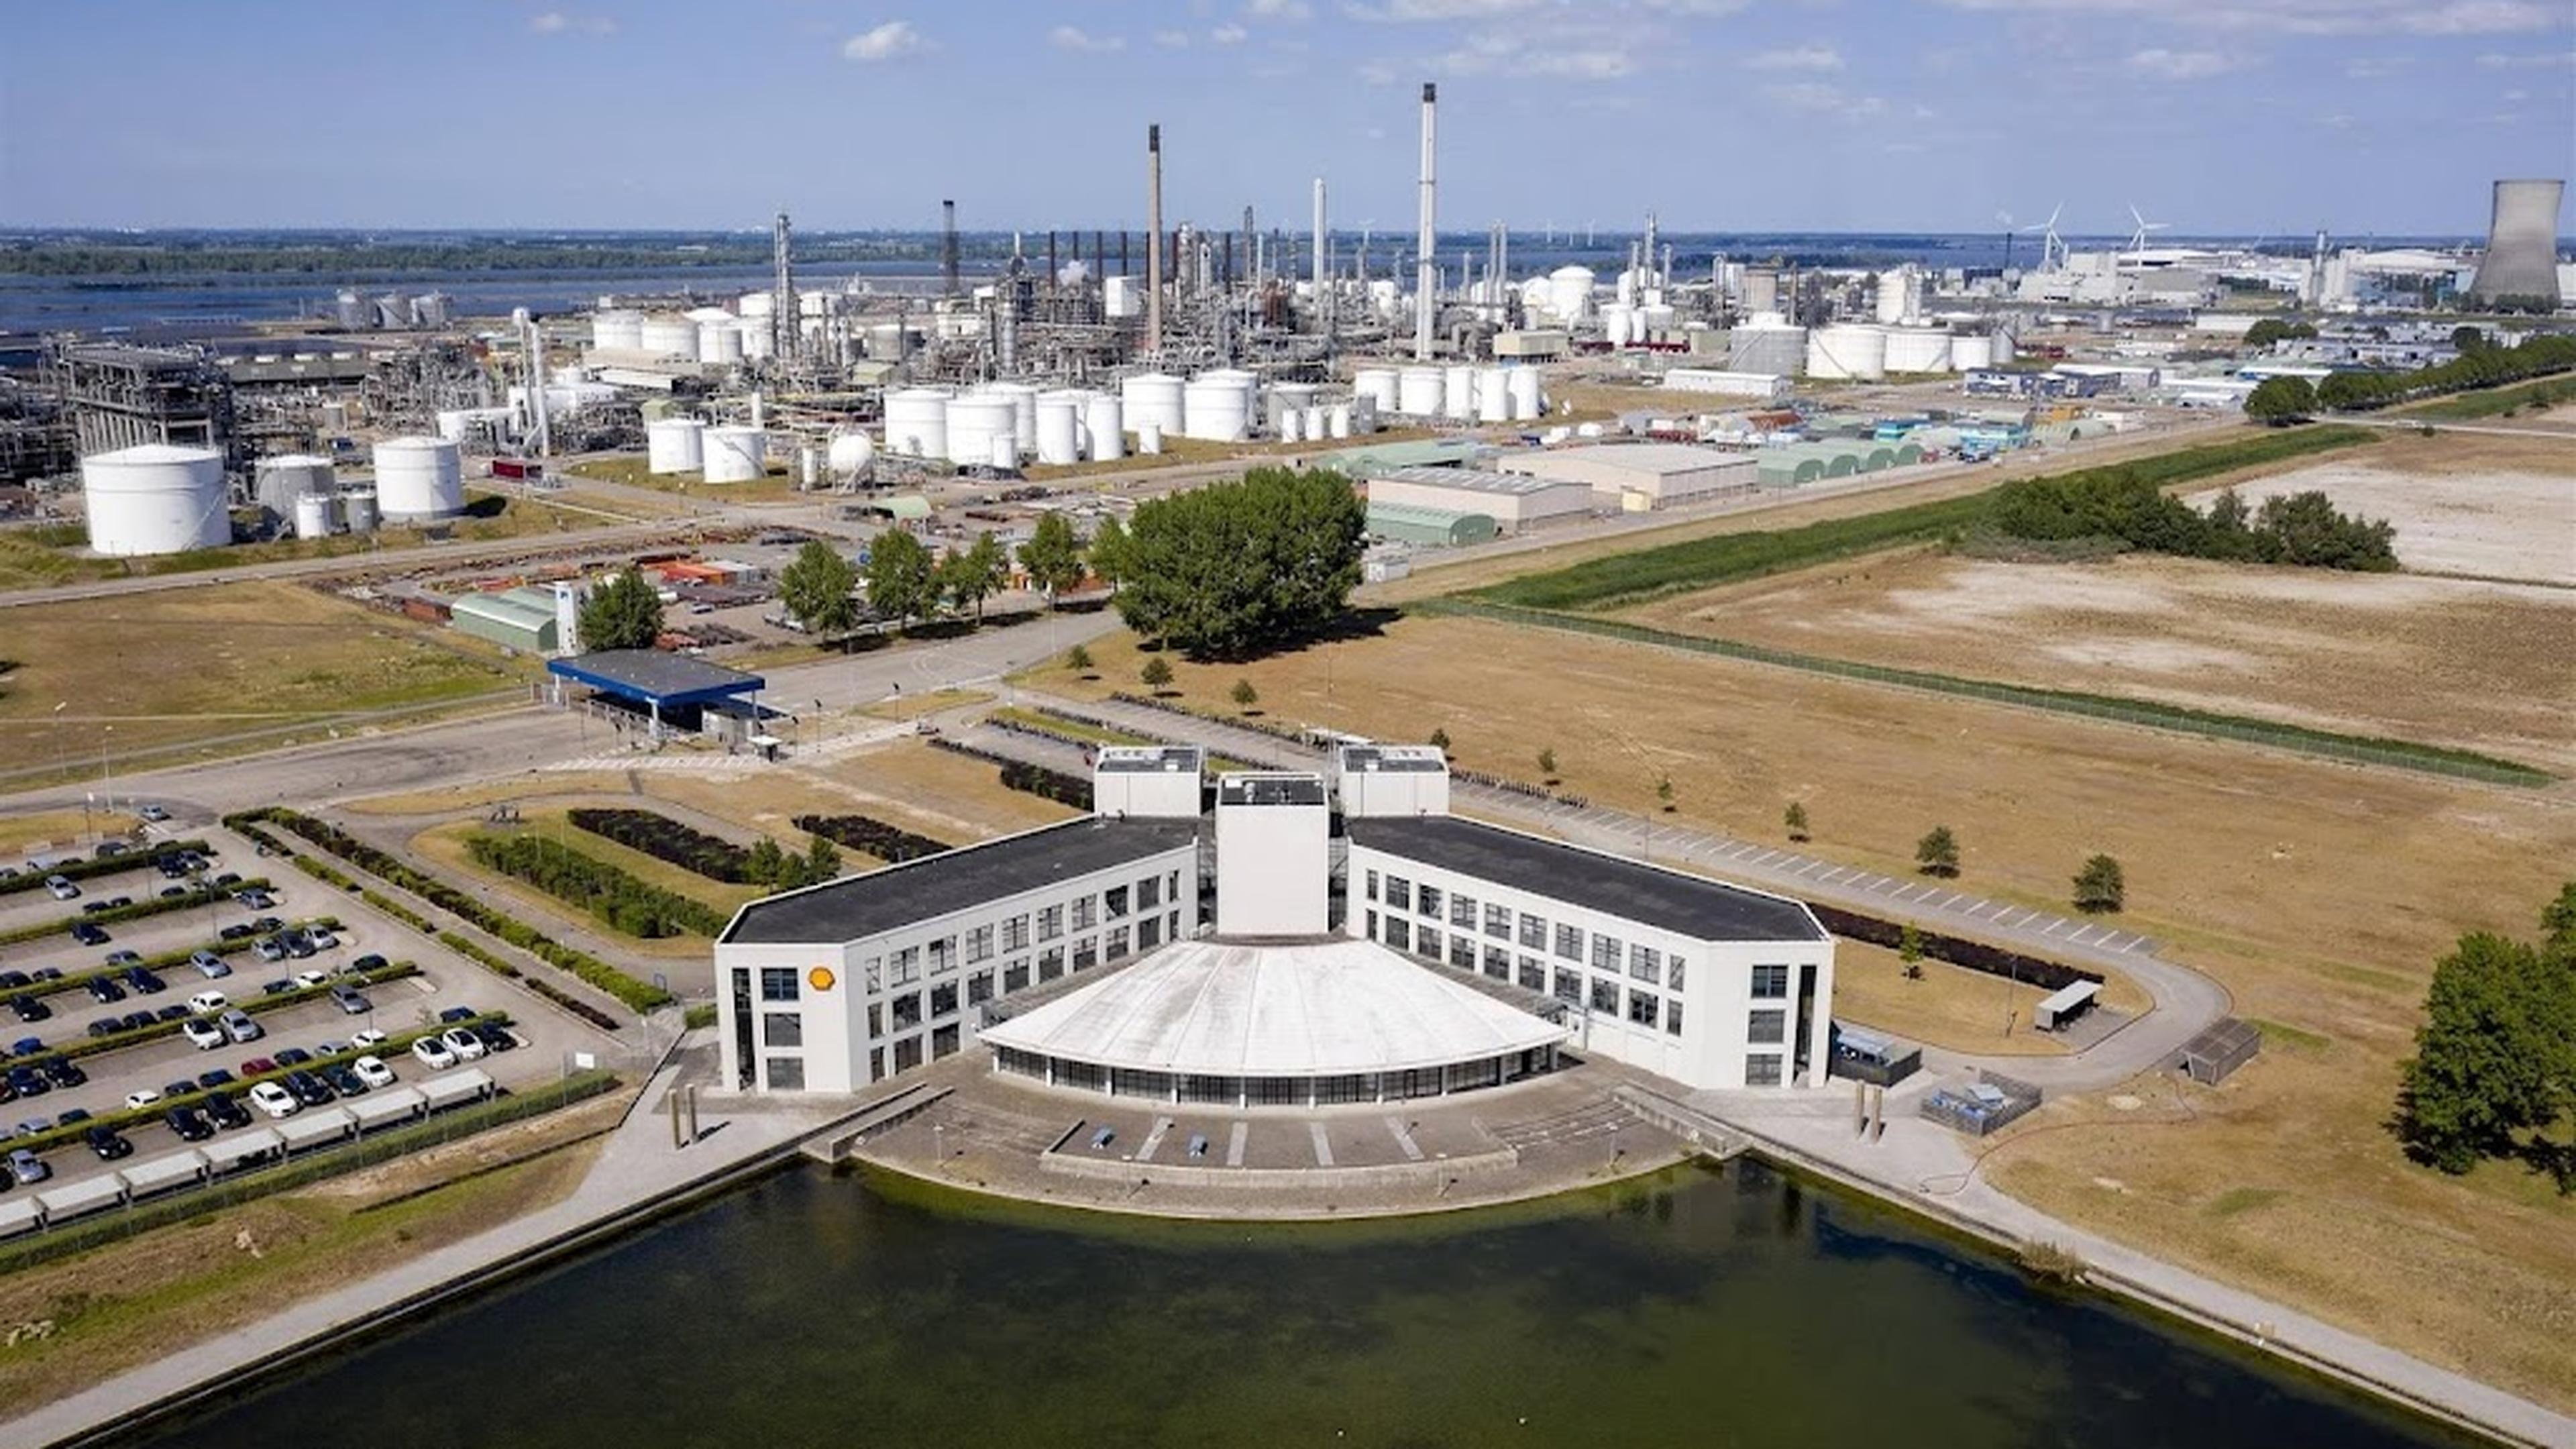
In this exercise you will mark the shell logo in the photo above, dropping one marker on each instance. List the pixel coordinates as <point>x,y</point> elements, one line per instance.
<point>820,978</point>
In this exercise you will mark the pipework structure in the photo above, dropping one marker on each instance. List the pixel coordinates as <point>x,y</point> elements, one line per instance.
<point>121,396</point>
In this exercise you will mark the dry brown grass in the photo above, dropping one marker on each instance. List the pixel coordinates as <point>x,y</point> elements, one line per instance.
<point>914,706</point>
<point>60,829</point>
<point>1951,1006</point>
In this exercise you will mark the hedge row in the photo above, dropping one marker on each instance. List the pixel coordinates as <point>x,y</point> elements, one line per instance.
<point>712,856</point>
<point>80,870</point>
<point>642,996</point>
<point>1019,775</point>
<point>889,843</point>
<point>1957,950</point>
<point>147,907</point>
<point>474,951</point>
<point>617,899</point>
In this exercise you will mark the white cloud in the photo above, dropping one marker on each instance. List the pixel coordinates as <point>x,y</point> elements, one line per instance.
<point>2534,61</point>
<point>1407,11</point>
<point>555,22</point>
<point>2370,67</point>
<point>1804,57</point>
<point>2182,65</point>
<point>1279,10</point>
<point>1377,73</point>
<point>1172,39</point>
<point>1227,35</point>
<point>1696,9</point>
<point>1821,99</point>
<point>2312,17</point>
<point>1067,37</point>
<point>1508,53</point>
<point>894,38</point>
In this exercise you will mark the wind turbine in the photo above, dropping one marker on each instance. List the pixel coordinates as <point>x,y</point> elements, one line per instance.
<point>2138,239</point>
<point>2052,248</point>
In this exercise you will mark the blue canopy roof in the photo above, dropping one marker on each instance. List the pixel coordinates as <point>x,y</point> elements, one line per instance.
<point>653,677</point>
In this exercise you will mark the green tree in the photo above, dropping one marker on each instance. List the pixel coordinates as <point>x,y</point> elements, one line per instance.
<point>767,864</point>
<point>2465,339</point>
<point>1909,950</point>
<point>2278,400</point>
<point>1664,792</point>
<point>1232,569</point>
<point>1439,739</point>
<point>2266,332</point>
<point>822,860</point>
<point>2099,885</point>
<point>1110,552</point>
<point>1157,673</point>
<point>1053,557</point>
<point>969,576</point>
<point>820,589</point>
<point>1937,853</point>
<point>902,580</point>
<point>1547,765</point>
<point>1795,820</point>
<point>1078,659</point>
<point>622,612</point>
<point>1244,695</point>
<point>2495,1057</point>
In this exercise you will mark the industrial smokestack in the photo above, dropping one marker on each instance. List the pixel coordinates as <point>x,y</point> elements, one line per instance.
<point>1153,240</point>
<point>1422,263</point>
<point>2521,259</point>
<point>948,246</point>
<point>1323,298</point>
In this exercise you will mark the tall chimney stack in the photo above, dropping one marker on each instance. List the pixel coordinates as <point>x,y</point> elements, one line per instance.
<point>948,246</point>
<point>1153,241</point>
<point>1323,297</point>
<point>1422,265</point>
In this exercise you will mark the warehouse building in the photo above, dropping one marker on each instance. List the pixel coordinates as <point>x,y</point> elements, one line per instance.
<point>1765,386</point>
<point>1430,527</point>
<point>1465,956</point>
<point>1637,476</point>
<point>1514,502</point>
<point>525,618</point>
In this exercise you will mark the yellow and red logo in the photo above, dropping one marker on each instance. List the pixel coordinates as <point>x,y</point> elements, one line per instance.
<point>820,978</point>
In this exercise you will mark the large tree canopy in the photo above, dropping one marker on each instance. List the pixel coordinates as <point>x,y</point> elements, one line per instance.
<point>622,612</point>
<point>819,588</point>
<point>1236,568</point>
<point>2494,1070</point>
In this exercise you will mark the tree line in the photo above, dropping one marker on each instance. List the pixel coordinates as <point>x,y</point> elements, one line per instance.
<point>2130,505</point>
<point>2478,366</point>
<point>2494,1071</point>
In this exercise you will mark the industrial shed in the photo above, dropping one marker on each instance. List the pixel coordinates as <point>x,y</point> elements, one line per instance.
<point>521,618</point>
<point>1641,475</point>
<point>1430,527</point>
<point>1512,500</point>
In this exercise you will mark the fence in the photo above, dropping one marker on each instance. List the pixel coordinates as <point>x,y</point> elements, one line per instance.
<point>2396,754</point>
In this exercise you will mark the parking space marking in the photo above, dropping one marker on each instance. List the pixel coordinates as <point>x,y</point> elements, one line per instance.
<point>1153,1140</point>
<point>1234,1144</point>
<point>1404,1139</point>
<point>2056,926</point>
<point>1323,1144</point>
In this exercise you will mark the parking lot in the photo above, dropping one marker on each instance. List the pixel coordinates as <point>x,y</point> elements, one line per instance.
<point>546,1037</point>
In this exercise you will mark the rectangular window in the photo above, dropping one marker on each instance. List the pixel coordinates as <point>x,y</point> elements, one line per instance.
<point>1641,1007</point>
<point>1533,932</point>
<point>1569,986</point>
<point>1427,901</point>
<point>876,1018</point>
<point>1762,1071</point>
<point>904,967</point>
<point>1569,942</point>
<point>782,1029</point>
<point>1672,1018</point>
<point>1462,952</point>
<point>943,1041</point>
<point>1149,894</point>
<point>943,955</point>
<point>1086,912</point>
<point>1371,929</point>
<point>1115,948</point>
<point>1607,953</point>
<point>1114,900</point>
<point>1645,963</point>
<point>1015,933</point>
<point>1673,973</point>
<point>1498,922</point>
<point>1770,983</point>
<point>872,972</point>
<point>876,1064</point>
<point>1372,885</point>
<point>1172,924</point>
<point>1149,933</point>
<point>1498,962</point>
<point>1399,933</point>
<point>1605,995</point>
<point>907,1054</point>
<point>1767,1028</point>
<point>787,1074</point>
<point>1086,953</point>
<point>907,1010</point>
<point>1533,974</point>
<point>943,999</point>
<point>1399,894</point>
<point>1050,921</point>
<point>778,983</point>
<point>1051,963</point>
<point>1462,912</point>
<point>979,944</point>
<point>979,988</point>
<point>1426,941</point>
<point>1172,885</point>
<point>1015,977</point>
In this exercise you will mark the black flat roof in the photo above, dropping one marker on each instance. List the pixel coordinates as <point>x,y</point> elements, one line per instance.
<point>865,905</point>
<point>1650,895</point>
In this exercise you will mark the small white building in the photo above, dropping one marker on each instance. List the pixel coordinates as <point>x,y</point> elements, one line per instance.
<point>1375,779</point>
<point>1766,386</point>
<point>1513,500</point>
<point>1162,781</point>
<point>1640,475</point>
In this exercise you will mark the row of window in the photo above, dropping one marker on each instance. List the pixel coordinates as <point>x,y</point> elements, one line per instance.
<point>1464,913</point>
<point>905,965</point>
<point>1607,994</point>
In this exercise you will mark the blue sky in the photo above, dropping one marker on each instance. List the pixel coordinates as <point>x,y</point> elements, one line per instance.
<point>2216,115</point>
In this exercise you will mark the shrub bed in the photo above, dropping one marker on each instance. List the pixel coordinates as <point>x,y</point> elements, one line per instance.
<point>613,897</point>
<point>1019,775</point>
<point>140,910</point>
<point>1957,950</point>
<point>664,838</point>
<point>81,870</point>
<point>889,843</point>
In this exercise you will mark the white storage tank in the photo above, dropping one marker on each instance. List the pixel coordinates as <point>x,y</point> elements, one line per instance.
<point>1105,420</point>
<point>418,479</point>
<point>675,445</point>
<point>1059,427</point>
<point>1653,321</point>
<point>669,337</point>
<point>155,498</point>
<point>1121,297</point>
<point>1378,385</point>
<point>1458,393</point>
<point>1774,347</point>
<point>358,509</point>
<point>1917,349</point>
<point>1493,396</point>
<point>1972,350</point>
<point>1848,350</point>
<point>1618,324</point>
<point>1006,453</point>
<point>849,454</point>
<point>1337,421</point>
<point>1529,397</point>
<point>313,516</point>
<point>1418,392</point>
<point>617,331</point>
<point>1292,426</point>
<point>1155,398</point>
<point>1317,419</point>
<point>736,454</point>
<point>1149,439</point>
<point>973,420</point>
<point>1213,407</point>
<point>916,422</point>
<point>720,342</point>
<point>289,476</point>
<point>1024,409</point>
<point>1288,397</point>
<point>1569,292</point>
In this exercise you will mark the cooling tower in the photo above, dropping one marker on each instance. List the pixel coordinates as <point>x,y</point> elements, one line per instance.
<point>2522,244</point>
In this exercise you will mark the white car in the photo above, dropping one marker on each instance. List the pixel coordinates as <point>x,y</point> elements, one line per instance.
<point>273,1099</point>
<point>368,1040</point>
<point>320,940</point>
<point>373,1071</point>
<point>202,1034</point>
<point>207,1003</point>
<point>467,1046</point>
<point>433,1054</point>
<point>137,1101</point>
<point>311,978</point>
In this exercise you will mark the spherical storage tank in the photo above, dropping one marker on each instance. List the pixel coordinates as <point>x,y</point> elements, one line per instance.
<point>675,445</point>
<point>736,454</point>
<point>1104,420</point>
<point>289,476</point>
<point>849,454</point>
<point>916,422</point>
<point>313,516</point>
<point>1154,398</point>
<point>1059,427</point>
<point>418,478</point>
<point>155,498</point>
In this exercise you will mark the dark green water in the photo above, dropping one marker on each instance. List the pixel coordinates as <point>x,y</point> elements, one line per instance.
<point>1701,1309</point>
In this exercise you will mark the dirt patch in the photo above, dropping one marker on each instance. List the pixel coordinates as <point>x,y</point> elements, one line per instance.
<point>2493,524</point>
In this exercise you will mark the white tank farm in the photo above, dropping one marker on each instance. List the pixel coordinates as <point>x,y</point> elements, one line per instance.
<point>973,421</point>
<point>1458,393</point>
<point>1285,398</point>
<point>720,342</point>
<point>1377,384</point>
<point>418,479</point>
<point>916,422</point>
<point>1059,427</point>
<point>1972,350</point>
<point>617,331</point>
<point>849,454</point>
<point>358,509</point>
<point>1528,390</point>
<point>1848,350</point>
<point>313,516</point>
<point>1212,407</point>
<point>155,498</point>
<point>1024,409</point>
<point>1418,392</point>
<point>669,337</point>
<point>1493,396</point>
<point>1155,398</point>
<point>736,454</point>
<point>1104,424</point>
<point>289,476</point>
<point>675,445</point>
<point>1917,349</point>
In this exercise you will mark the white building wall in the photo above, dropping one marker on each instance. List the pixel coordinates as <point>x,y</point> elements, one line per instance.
<point>1273,869</point>
<point>845,1048</point>
<point>1513,511</point>
<point>1713,1049</point>
<point>1394,792</point>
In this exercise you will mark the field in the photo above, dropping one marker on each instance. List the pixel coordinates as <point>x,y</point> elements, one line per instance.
<point>207,663</point>
<point>778,485</point>
<point>59,831</point>
<point>1951,1006</point>
<point>2319,894</point>
<point>2499,521</point>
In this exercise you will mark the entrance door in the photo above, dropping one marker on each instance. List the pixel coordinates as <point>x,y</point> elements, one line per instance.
<point>1806,1023</point>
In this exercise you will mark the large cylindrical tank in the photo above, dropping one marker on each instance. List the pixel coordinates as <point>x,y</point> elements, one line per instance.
<point>675,337</point>
<point>1292,426</point>
<point>1284,398</point>
<point>1005,455</point>
<point>1059,427</point>
<point>1418,391</point>
<point>973,419</point>
<point>418,478</point>
<point>1337,421</point>
<point>1654,320</point>
<point>1024,409</point>
<point>1569,292</point>
<point>1378,385</point>
<point>757,342</point>
<point>1458,392</point>
<point>155,498</point>
<point>1848,350</point>
<point>1213,407</point>
<point>1775,348</point>
<point>289,476</point>
<point>1972,350</point>
<point>1493,396</point>
<point>1618,324</point>
<point>349,310</point>
<point>617,331</point>
<point>736,454</point>
<point>1528,390</point>
<point>1917,349</point>
<point>849,454</point>
<point>1317,419</point>
<point>1149,439</point>
<point>1153,397</point>
<point>313,516</point>
<point>720,342</point>
<point>916,422</point>
<point>1105,420</point>
<point>675,445</point>
<point>358,509</point>
<point>757,304</point>
<point>431,309</point>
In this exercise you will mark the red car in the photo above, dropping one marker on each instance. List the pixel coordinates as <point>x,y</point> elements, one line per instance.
<point>258,1067</point>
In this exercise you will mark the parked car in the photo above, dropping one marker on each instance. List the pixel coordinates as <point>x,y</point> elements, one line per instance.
<point>373,1071</point>
<point>121,959</point>
<point>273,1100</point>
<point>140,1098</point>
<point>209,965</point>
<point>433,1053</point>
<point>369,962</point>
<point>343,1080</point>
<point>202,1034</point>
<point>103,988</point>
<point>455,1014</point>
<point>309,1089</point>
<point>240,1027</point>
<point>257,1066</point>
<point>368,1040</point>
<point>72,1117</point>
<point>307,980</point>
<point>167,1014</point>
<point>467,1046</point>
<point>89,934</point>
<point>279,987</point>
<point>62,888</point>
<point>352,1001</point>
<point>292,1056</point>
<point>217,1077</point>
<point>27,1046</point>
<point>30,1008</point>
<point>26,1166</point>
<point>62,1071</point>
<point>153,813</point>
<point>235,932</point>
<point>268,949</point>
<point>224,1112</point>
<point>184,1087</point>
<point>109,1143</point>
<point>12,980</point>
<point>141,1020</point>
<point>28,1082</point>
<point>320,939</point>
<point>172,892</point>
<point>189,1123</point>
<point>269,924</point>
<point>209,1002</point>
<point>297,944</point>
